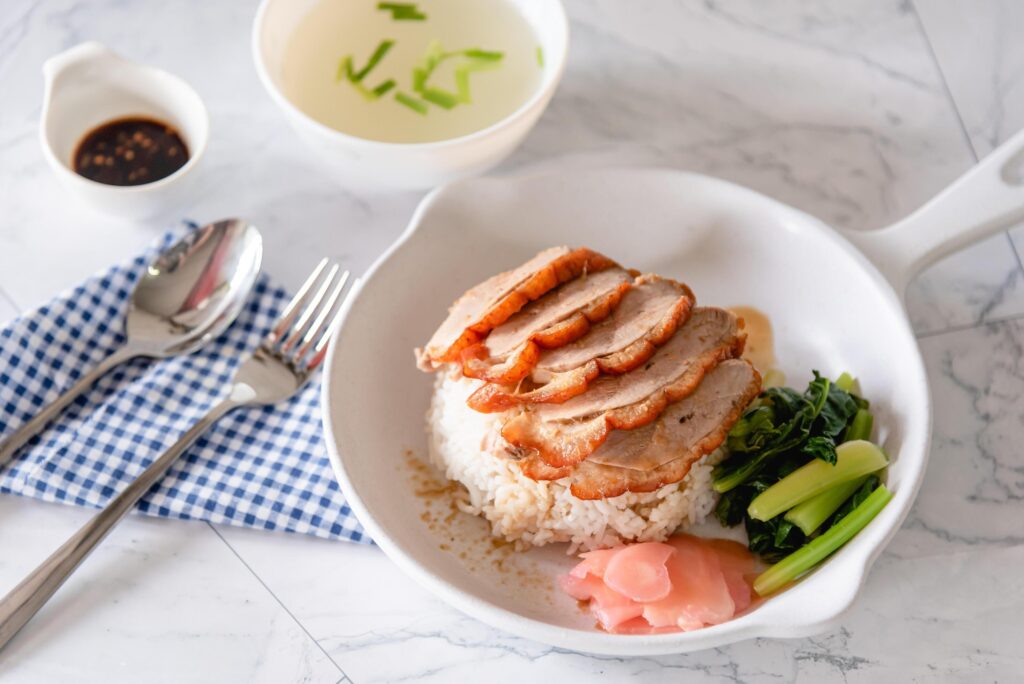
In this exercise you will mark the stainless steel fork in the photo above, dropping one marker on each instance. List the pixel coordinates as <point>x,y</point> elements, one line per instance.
<point>284,361</point>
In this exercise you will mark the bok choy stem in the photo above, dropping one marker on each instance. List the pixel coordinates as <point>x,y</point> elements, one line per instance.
<point>809,515</point>
<point>818,549</point>
<point>853,460</point>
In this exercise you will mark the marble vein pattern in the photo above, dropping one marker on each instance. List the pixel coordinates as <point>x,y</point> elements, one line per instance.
<point>8,310</point>
<point>854,111</point>
<point>982,59</point>
<point>158,601</point>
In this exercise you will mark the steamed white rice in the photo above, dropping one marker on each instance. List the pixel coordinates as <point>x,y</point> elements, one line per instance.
<point>468,447</point>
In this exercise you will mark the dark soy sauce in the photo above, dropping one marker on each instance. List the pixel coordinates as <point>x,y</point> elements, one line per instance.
<point>130,151</point>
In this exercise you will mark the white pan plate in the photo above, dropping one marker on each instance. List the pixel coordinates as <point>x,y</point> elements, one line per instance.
<point>831,309</point>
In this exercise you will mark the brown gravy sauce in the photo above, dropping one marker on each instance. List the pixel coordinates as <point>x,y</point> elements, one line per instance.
<point>760,347</point>
<point>467,536</point>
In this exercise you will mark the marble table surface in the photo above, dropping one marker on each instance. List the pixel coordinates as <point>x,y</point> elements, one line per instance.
<point>856,111</point>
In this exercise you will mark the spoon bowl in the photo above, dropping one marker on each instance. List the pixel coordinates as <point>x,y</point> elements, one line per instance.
<point>194,290</point>
<point>187,296</point>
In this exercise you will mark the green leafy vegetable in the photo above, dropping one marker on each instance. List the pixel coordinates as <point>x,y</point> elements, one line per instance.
<point>846,382</point>
<point>781,432</point>
<point>860,427</point>
<point>818,549</point>
<point>540,56</point>
<point>869,485</point>
<point>810,514</point>
<point>782,421</point>
<point>854,460</point>
<point>773,539</point>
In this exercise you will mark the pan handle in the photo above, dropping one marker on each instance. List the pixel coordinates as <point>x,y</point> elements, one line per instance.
<point>985,200</point>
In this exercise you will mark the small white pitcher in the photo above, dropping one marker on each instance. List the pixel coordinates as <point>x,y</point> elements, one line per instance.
<point>89,85</point>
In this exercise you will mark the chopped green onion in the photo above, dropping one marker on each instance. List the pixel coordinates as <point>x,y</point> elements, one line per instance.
<point>853,459</point>
<point>378,54</point>
<point>480,65</point>
<point>344,68</point>
<point>419,79</point>
<point>402,11</point>
<point>462,84</point>
<point>488,55</point>
<point>540,56</point>
<point>384,87</point>
<point>475,60</point>
<point>371,94</point>
<point>809,515</point>
<point>441,98</point>
<point>418,106</point>
<point>433,56</point>
<point>860,426</point>
<point>803,559</point>
<point>408,15</point>
<point>364,91</point>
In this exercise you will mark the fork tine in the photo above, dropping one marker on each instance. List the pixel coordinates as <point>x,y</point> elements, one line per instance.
<point>320,347</point>
<point>284,321</point>
<point>308,312</point>
<point>316,328</point>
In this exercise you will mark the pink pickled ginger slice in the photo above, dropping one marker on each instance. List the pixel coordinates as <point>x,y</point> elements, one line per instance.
<point>594,562</point>
<point>608,606</point>
<point>638,571</point>
<point>640,626</point>
<point>699,593</point>
<point>737,565</point>
<point>651,588</point>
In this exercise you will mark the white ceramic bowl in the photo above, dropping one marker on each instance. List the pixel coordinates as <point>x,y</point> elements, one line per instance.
<point>831,309</point>
<point>88,85</point>
<point>371,164</point>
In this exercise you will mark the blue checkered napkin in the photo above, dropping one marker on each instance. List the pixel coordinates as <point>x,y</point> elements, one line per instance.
<point>263,467</point>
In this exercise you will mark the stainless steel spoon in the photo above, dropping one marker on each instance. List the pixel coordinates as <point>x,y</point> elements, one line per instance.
<point>189,295</point>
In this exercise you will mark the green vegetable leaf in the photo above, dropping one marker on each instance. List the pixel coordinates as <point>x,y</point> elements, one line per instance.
<point>821,447</point>
<point>781,431</point>
<point>732,506</point>
<point>755,429</point>
<point>839,409</point>
<point>783,420</point>
<point>774,539</point>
